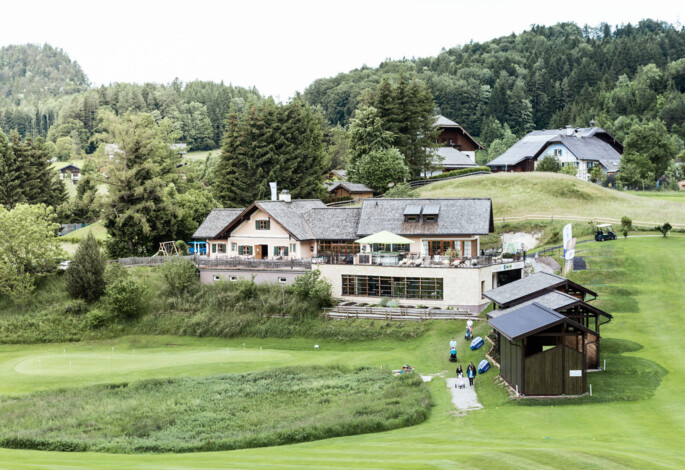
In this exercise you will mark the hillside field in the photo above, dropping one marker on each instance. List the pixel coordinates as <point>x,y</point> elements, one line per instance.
<point>533,193</point>
<point>635,418</point>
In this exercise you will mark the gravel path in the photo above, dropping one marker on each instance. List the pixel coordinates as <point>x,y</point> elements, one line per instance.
<point>464,399</point>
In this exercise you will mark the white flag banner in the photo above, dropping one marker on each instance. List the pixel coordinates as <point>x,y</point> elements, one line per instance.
<point>570,250</point>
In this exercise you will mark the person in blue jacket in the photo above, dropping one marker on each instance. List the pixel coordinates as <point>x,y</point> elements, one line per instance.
<point>471,373</point>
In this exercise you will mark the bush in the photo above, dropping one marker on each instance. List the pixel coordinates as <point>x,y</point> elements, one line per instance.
<point>664,229</point>
<point>78,307</point>
<point>95,319</point>
<point>401,190</point>
<point>310,286</point>
<point>180,276</point>
<point>125,298</point>
<point>463,171</point>
<point>549,163</point>
<point>114,272</point>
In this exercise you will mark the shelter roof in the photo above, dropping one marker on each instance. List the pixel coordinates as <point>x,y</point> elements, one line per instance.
<point>524,289</point>
<point>527,320</point>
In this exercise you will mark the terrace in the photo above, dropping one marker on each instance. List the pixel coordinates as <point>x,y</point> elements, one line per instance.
<point>408,259</point>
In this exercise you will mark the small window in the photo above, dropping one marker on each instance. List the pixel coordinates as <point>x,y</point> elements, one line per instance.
<point>430,218</point>
<point>233,278</point>
<point>280,251</point>
<point>557,152</point>
<point>217,277</point>
<point>292,248</point>
<point>234,246</point>
<point>263,224</point>
<point>411,218</point>
<point>221,248</point>
<point>245,250</point>
<point>282,280</point>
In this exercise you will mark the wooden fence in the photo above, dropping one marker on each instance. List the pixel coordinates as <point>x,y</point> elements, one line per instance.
<point>398,313</point>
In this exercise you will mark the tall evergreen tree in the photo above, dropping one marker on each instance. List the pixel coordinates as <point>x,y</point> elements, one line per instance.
<point>10,175</point>
<point>86,273</point>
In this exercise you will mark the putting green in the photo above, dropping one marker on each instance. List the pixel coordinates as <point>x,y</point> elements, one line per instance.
<point>643,344</point>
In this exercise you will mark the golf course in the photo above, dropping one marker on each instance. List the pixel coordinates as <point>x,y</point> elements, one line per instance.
<point>635,418</point>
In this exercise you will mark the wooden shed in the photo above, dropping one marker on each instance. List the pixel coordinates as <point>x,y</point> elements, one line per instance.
<point>577,310</point>
<point>542,352</point>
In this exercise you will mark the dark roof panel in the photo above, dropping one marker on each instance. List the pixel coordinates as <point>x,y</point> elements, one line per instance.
<point>412,210</point>
<point>553,300</point>
<point>523,321</point>
<point>523,287</point>
<point>431,210</point>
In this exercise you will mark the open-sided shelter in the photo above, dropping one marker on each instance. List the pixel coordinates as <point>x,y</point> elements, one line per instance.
<point>533,286</point>
<point>577,310</point>
<point>542,352</point>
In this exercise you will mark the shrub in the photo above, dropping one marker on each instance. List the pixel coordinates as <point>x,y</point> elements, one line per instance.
<point>180,276</point>
<point>310,286</point>
<point>85,275</point>
<point>78,307</point>
<point>549,163</point>
<point>182,247</point>
<point>463,171</point>
<point>125,298</point>
<point>401,190</point>
<point>114,272</point>
<point>96,318</point>
<point>626,222</point>
<point>664,229</point>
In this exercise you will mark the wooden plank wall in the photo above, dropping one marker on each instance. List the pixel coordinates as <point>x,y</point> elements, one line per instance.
<point>544,373</point>
<point>510,362</point>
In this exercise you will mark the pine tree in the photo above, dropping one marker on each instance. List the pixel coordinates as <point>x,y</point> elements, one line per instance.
<point>85,275</point>
<point>10,175</point>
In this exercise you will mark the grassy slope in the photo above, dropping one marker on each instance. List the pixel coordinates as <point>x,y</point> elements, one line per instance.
<point>201,154</point>
<point>518,194</point>
<point>644,294</point>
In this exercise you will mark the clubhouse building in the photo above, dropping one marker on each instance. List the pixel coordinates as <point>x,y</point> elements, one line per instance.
<point>417,251</point>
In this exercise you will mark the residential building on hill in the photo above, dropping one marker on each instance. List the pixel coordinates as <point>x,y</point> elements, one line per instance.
<point>345,189</point>
<point>418,251</point>
<point>456,148</point>
<point>583,148</point>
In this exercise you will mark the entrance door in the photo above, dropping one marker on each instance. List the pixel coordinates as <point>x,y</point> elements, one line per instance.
<point>264,249</point>
<point>258,251</point>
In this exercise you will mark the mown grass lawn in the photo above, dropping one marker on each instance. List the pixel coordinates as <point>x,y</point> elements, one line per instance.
<point>640,426</point>
<point>533,193</point>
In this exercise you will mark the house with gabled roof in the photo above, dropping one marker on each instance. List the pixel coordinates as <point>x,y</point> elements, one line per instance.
<point>456,147</point>
<point>346,190</point>
<point>583,148</point>
<point>437,260</point>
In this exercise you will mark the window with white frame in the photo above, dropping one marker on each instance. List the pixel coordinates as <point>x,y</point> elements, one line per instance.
<point>282,280</point>
<point>557,152</point>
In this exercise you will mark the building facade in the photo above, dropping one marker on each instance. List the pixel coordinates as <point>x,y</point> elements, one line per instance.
<point>439,261</point>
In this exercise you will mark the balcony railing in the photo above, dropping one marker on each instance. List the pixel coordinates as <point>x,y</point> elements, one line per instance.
<point>413,260</point>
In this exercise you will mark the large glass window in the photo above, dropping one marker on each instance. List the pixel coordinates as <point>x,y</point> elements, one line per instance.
<point>428,288</point>
<point>337,247</point>
<point>439,247</point>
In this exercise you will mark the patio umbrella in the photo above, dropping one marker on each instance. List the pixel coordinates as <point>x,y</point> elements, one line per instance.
<point>384,237</point>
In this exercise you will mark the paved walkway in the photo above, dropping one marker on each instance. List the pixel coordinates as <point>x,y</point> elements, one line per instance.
<point>464,399</point>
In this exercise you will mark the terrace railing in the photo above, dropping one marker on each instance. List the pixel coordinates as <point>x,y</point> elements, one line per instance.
<point>227,262</point>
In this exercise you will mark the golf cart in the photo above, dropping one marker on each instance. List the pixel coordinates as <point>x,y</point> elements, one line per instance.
<point>604,232</point>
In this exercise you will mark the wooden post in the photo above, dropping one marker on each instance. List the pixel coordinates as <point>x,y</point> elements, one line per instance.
<point>563,358</point>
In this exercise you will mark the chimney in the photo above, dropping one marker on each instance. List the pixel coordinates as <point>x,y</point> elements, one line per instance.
<point>274,192</point>
<point>285,196</point>
<point>569,130</point>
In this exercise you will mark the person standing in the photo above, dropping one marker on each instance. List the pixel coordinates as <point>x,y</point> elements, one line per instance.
<point>460,377</point>
<point>471,373</point>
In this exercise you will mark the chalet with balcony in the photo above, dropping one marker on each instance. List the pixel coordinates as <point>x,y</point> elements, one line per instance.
<point>70,172</point>
<point>342,190</point>
<point>424,251</point>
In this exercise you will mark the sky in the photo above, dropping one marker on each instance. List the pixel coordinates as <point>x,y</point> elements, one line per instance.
<point>280,47</point>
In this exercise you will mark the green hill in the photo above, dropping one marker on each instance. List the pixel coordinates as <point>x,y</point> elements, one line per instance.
<point>521,194</point>
<point>34,71</point>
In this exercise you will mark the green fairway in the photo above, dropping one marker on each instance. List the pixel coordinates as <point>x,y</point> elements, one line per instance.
<point>636,418</point>
<point>554,194</point>
<point>675,196</point>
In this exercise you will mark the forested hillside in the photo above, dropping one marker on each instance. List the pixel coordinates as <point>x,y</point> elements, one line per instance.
<point>45,94</point>
<point>542,78</point>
